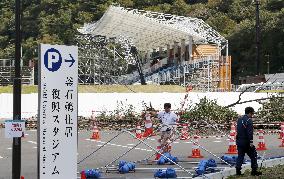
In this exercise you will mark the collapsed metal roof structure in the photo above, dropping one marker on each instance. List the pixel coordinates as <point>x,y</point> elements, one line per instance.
<point>151,30</point>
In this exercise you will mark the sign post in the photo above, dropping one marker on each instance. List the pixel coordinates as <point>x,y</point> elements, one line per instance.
<point>57,133</point>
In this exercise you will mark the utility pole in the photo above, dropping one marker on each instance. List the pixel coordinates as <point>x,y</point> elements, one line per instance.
<point>16,154</point>
<point>134,51</point>
<point>257,28</point>
<point>268,61</point>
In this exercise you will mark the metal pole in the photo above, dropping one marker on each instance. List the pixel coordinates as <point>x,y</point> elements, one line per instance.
<point>99,148</point>
<point>257,3</point>
<point>268,61</point>
<point>160,153</point>
<point>126,152</point>
<point>16,153</point>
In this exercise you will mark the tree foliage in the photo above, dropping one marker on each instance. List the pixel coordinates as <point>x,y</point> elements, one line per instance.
<point>272,110</point>
<point>56,21</point>
<point>209,111</point>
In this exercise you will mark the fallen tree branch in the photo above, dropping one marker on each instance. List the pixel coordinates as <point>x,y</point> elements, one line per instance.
<point>261,99</point>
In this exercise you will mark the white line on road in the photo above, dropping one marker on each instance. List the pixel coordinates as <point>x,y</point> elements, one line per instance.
<point>187,142</point>
<point>35,147</point>
<point>118,145</point>
<point>217,141</point>
<point>9,148</point>
<point>33,142</point>
<point>1,157</point>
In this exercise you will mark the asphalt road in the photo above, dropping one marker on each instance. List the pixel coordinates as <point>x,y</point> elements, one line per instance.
<point>118,146</point>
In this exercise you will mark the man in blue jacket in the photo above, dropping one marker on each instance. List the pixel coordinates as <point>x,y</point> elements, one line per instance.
<point>245,142</point>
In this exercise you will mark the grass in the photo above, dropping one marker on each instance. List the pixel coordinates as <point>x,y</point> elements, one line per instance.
<point>26,89</point>
<point>267,173</point>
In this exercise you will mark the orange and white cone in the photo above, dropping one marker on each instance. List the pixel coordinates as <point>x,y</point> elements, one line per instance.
<point>184,133</point>
<point>195,149</point>
<point>158,149</point>
<point>281,131</point>
<point>261,142</point>
<point>233,129</point>
<point>148,125</point>
<point>232,144</point>
<point>96,133</point>
<point>282,143</point>
<point>138,132</point>
<point>169,146</point>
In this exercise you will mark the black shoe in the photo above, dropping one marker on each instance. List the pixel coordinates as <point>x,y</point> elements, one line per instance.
<point>255,173</point>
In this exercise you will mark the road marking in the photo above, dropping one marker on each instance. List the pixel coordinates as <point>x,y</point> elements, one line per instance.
<point>35,147</point>
<point>32,142</point>
<point>176,142</point>
<point>217,141</point>
<point>187,142</point>
<point>118,145</point>
<point>9,148</point>
<point>218,138</point>
<point>1,157</point>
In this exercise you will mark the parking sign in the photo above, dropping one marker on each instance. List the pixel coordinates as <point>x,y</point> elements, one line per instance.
<point>57,133</point>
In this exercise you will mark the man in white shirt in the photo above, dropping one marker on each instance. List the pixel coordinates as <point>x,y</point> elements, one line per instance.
<point>168,120</point>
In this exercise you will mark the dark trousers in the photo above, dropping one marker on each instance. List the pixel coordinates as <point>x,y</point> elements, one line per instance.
<point>251,152</point>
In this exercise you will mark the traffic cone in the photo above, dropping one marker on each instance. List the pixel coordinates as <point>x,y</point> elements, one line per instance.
<point>195,149</point>
<point>184,133</point>
<point>148,125</point>
<point>83,175</point>
<point>232,144</point>
<point>281,130</point>
<point>96,134</point>
<point>282,143</point>
<point>22,177</point>
<point>158,149</point>
<point>138,132</point>
<point>169,146</point>
<point>261,142</point>
<point>233,128</point>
